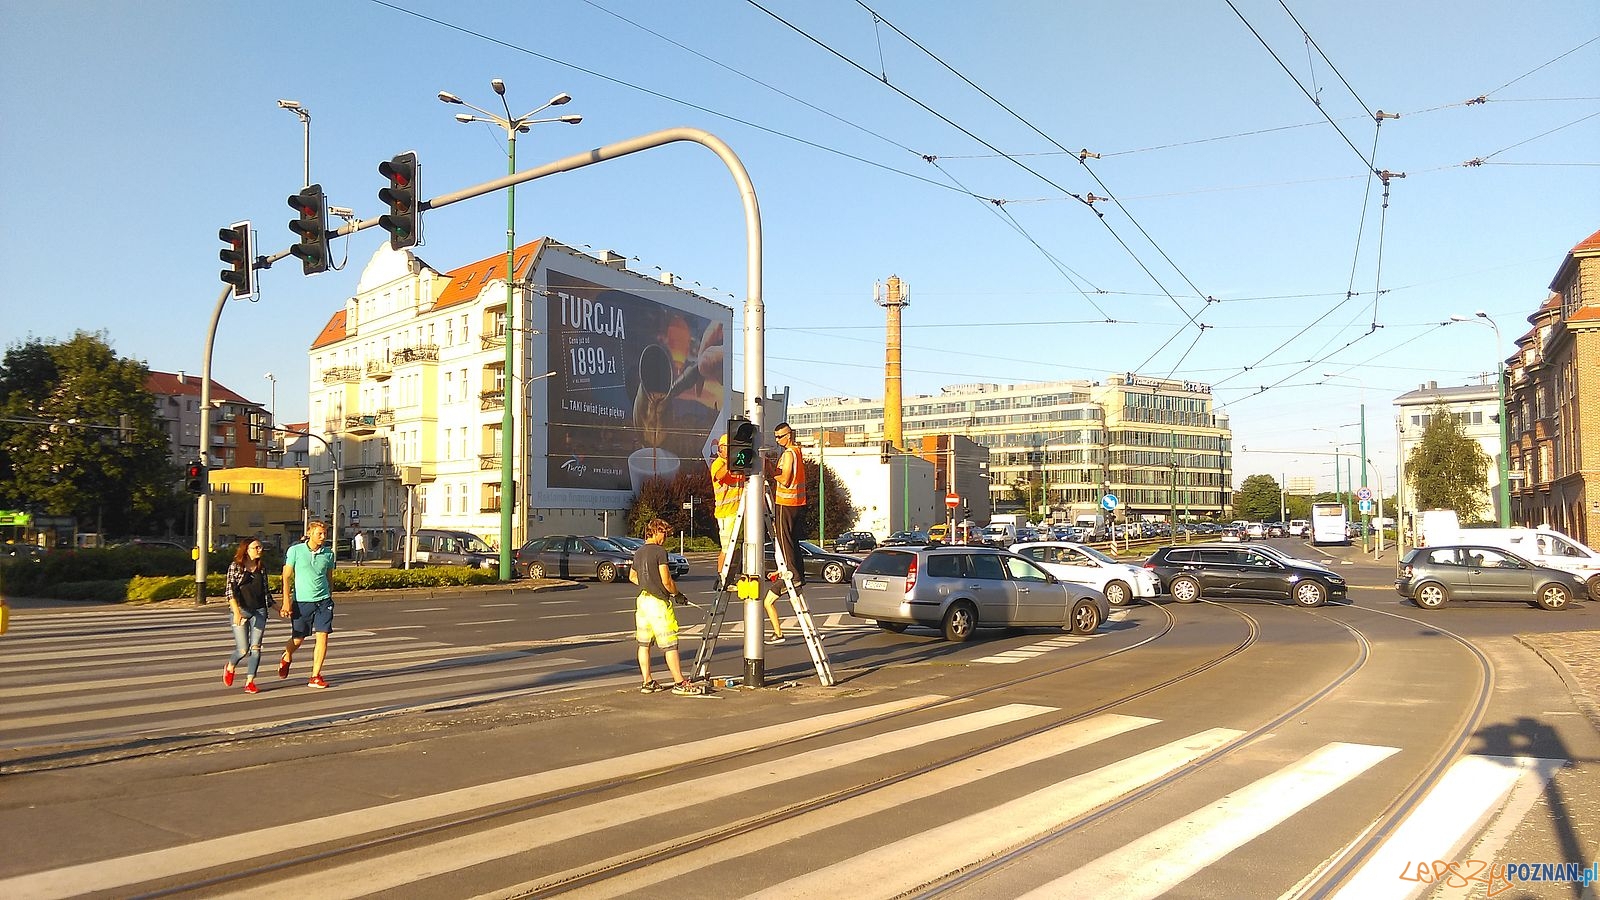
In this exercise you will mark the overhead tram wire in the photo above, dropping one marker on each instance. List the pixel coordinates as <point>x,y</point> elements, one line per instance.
<point>670,99</point>
<point>1538,67</point>
<point>1060,267</point>
<point>1313,41</point>
<point>953,124</point>
<point>1082,158</point>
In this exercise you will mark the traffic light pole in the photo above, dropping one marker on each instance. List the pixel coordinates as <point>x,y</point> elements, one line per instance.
<point>202,503</point>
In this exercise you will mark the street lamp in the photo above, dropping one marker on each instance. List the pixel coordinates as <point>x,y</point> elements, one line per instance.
<point>513,125</point>
<point>272,416</point>
<point>1505,434</point>
<point>305,120</point>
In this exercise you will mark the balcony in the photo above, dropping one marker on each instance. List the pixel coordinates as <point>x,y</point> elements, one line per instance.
<point>487,461</point>
<point>369,472</point>
<point>379,369</point>
<point>491,340</point>
<point>495,399</point>
<point>360,425</point>
<point>425,353</point>
<point>491,505</point>
<point>341,373</point>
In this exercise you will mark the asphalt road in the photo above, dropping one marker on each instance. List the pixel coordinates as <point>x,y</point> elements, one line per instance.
<point>493,744</point>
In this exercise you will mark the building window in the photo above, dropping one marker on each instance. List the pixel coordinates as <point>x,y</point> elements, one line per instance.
<point>222,513</point>
<point>258,487</point>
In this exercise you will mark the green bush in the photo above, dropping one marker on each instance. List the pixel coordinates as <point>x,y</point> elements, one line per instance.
<point>154,588</point>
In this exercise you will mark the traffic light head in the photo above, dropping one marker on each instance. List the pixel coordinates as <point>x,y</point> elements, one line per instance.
<point>240,256</point>
<point>196,478</point>
<point>403,221</point>
<point>311,226</point>
<point>741,445</point>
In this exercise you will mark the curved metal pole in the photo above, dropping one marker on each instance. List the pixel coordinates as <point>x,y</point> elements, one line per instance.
<point>202,515</point>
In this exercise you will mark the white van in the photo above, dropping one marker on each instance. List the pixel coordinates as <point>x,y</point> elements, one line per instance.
<point>1000,534</point>
<point>1542,546</point>
<point>1300,528</point>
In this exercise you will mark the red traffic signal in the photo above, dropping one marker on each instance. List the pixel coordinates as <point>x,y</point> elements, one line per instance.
<point>403,221</point>
<point>312,228</point>
<point>240,256</point>
<point>196,477</point>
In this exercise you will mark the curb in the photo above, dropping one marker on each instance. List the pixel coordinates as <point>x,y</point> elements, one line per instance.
<point>1585,700</point>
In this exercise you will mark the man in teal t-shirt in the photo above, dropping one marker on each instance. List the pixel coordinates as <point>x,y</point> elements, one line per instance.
<point>308,599</point>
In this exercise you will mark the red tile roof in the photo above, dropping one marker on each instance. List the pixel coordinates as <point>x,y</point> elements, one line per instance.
<point>1585,314</point>
<point>1592,242</point>
<point>467,282</point>
<point>166,384</point>
<point>333,332</point>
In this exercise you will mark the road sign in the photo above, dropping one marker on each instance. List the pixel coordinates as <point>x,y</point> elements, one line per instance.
<point>1365,505</point>
<point>1108,502</point>
<point>1364,494</point>
<point>355,514</point>
<point>952,500</point>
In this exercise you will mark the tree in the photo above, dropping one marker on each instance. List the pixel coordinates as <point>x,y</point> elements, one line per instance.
<point>60,451</point>
<point>1257,499</point>
<point>1447,469</point>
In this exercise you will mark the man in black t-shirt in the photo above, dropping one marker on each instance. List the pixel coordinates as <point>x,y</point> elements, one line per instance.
<point>653,618</point>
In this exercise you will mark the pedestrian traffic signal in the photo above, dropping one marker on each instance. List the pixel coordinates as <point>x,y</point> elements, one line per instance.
<point>741,445</point>
<point>240,256</point>
<point>196,477</point>
<point>312,228</point>
<point>404,219</point>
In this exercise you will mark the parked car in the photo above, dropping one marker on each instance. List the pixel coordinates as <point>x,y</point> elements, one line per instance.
<point>834,568</point>
<point>1222,571</point>
<point>1277,529</point>
<point>574,556</point>
<point>905,539</point>
<point>1077,564</point>
<point>443,547</point>
<point>677,563</point>
<point>1432,576</point>
<point>856,542</point>
<point>958,589</point>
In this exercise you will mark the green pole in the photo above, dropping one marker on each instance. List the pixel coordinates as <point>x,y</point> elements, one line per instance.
<point>508,440</point>
<point>1366,518</point>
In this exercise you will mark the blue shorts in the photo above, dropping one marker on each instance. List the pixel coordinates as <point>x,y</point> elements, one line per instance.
<point>306,618</point>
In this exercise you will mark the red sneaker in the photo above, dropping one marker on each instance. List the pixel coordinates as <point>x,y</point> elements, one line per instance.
<point>251,688</point>
<point>283,668</point>
<point>316,682</point>
<point>227,676</point>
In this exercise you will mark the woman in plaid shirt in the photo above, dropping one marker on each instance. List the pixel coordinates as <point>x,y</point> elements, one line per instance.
<point>249,597</point>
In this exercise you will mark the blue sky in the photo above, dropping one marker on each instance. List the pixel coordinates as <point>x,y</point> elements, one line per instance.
<point>135,130</point>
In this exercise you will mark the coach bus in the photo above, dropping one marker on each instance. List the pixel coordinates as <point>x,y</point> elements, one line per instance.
<point>1328,524</point>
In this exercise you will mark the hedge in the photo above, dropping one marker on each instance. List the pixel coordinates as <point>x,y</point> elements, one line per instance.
<point>152,588</point>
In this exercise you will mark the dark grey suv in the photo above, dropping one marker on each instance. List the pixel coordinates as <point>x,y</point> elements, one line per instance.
<point>1191,572</point>
<point>958,589</point>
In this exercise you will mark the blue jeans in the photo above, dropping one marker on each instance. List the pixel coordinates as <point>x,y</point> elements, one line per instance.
<point>247,637</point>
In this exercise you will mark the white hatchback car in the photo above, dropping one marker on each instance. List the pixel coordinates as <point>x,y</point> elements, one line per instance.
<point>1078,564</point>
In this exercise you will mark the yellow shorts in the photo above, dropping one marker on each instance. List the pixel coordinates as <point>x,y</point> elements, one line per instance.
<point>654,620</point>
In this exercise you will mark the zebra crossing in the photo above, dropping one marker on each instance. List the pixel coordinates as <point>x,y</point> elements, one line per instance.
<point>76,678</point>
<point>896,825</point>
<point>1040,648</point>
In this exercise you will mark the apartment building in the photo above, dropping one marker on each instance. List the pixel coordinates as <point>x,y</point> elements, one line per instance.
<point>236,436</point>
<point>1476,407</point>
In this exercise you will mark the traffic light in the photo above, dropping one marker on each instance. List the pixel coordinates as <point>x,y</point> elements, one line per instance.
<point>741,445</point>
<point>196,477</point>
<point>312,227</point>
<point>240,256</point>
<point>404,219</point>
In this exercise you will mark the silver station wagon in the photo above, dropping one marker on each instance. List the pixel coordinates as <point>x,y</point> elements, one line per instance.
<point>959,589</point>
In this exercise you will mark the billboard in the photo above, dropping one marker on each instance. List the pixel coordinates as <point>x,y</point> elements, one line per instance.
<point>640,387</point>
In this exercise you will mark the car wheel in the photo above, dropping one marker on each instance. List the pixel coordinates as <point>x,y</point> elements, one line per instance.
<point>833,573</point>
<point>1310,594</point>
<point>1430,595</point>
<point>1594,587</point>
<point>960,620</point>
<point>1117,593</point>
<point>1185,589</point>
<point>1554,596</point>
<point>896,627</point>
<point>1085,618</point>
<point>535,570</point>
<point>607,573</point>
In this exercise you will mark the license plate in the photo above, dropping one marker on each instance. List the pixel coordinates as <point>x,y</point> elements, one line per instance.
<point>875,584</point>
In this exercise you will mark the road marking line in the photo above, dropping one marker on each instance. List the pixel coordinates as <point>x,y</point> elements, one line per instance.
<point>906,864</point>
<point>110,874</point>
<point>1470,791</point>
<point>371,876</point>
<point>1051,744</point>
<point>1163,859</point>
<point>426,609</point>
<point>484,622</point>
<point>220,642</point>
